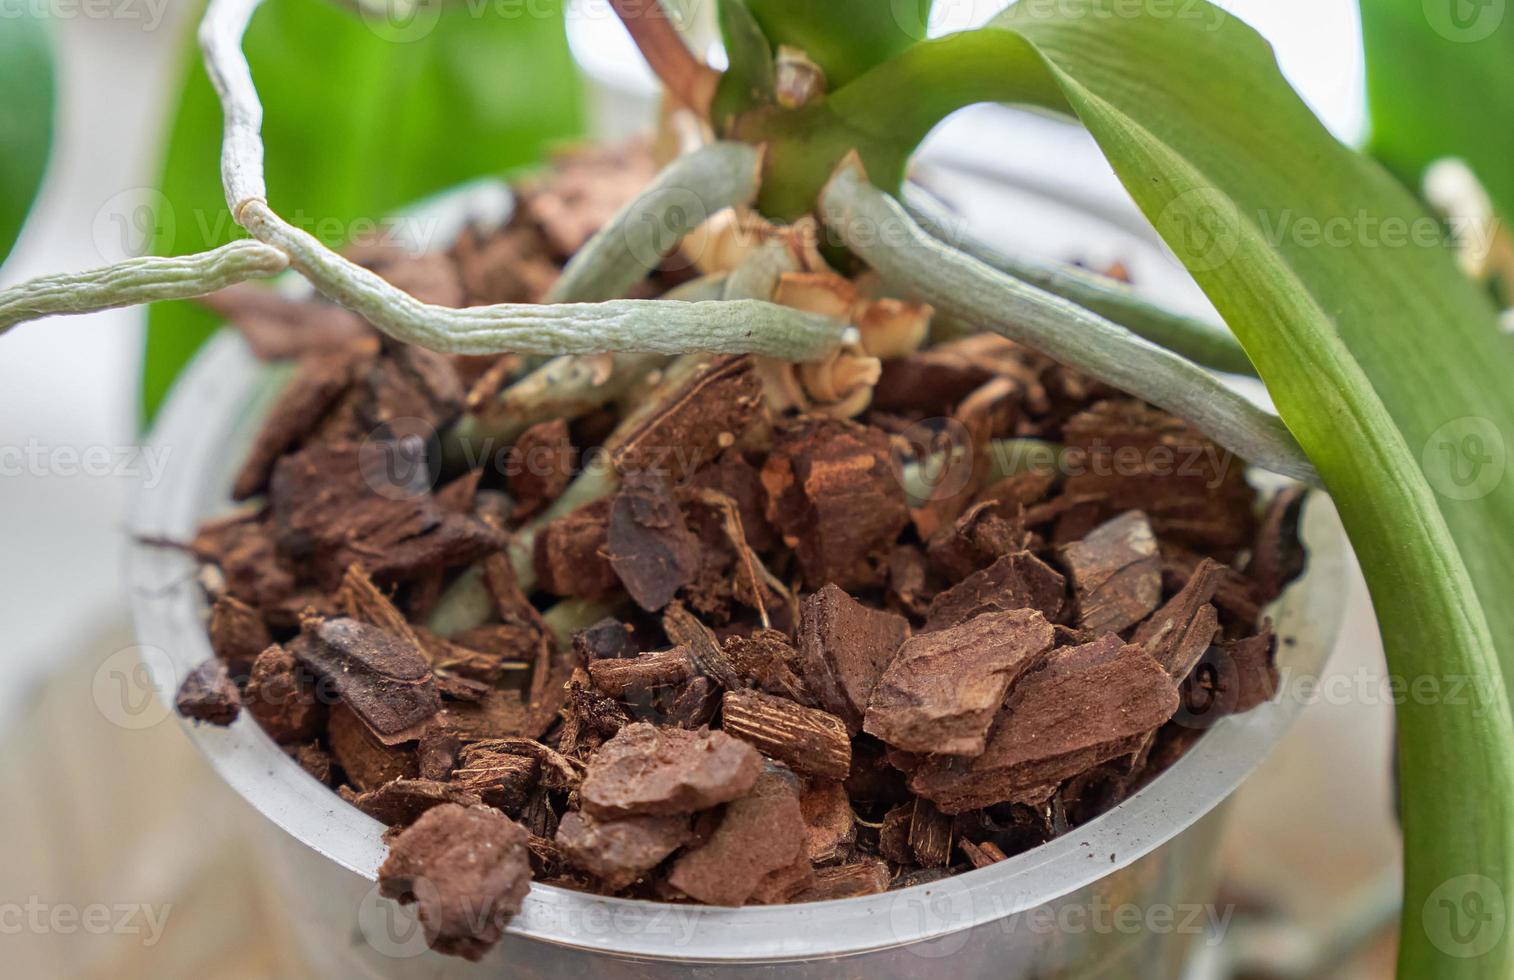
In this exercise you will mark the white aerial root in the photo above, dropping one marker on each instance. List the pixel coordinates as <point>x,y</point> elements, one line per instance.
<point>878,229</point>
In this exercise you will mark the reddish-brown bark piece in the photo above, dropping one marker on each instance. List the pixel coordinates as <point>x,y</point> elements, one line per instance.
<point>469,870</point>
<point>650,545</point>
<point>981,855</point>
<point>1239,676</point>
<point>401,802</point>
<point>1179,633</point>
<point>583,189</point>
<point>607,639</point>
<point>1088,705</point>
<point>1277,555</point>
<point>893,834</point>
<point>908,580</point>
<point>436,754</point>
<point>336,505</point>
<point>830,825</point>
<point>843,648</point>
<point>314,760</point>
<point>695,704</point>
<point>242,547</point>
<point>766,659</point>
<point>571,554</point>
<point>641,674</point>
<point>929,382</point>
<point>930,835</point>
<point>1134,457</point>
<point>869,876</point>
<point>385,681</point>
<point>618,852</point>
<point>694,422</point>
<point>367,762</point>
<point>1116,574</point>
<point>644,769</point>
<point>760,833</point>
<point>834,495</point>
<point>685,629</point>
<point>315,387</point>
<point>209,695</point>
<point>941,691</point>
<point>361,600</point>
<point>539,467</point>
<point>237,633</point>
<point>284,699</point>
<point>502,779</point>
<point>807,740</point>
<point>738,480</point>
<point>1015,581</point>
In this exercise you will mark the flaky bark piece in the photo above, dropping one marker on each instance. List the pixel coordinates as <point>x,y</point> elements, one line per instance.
<point>1088,705</point>
<point>1014,581</point>
<point>834,495</point>
<point>640,674</point>
<point>806,740</point>
<point>384,680</point>
<point>1116,573</point>
<point>317,383</point>
<point>694,422</point>
<point>501,779</point>
<point>843,648</point>
<point>649,543</point>
<point>830,824</point>
<point>539,467</point>
<point>760,833</point>
<point>237,632</point>
<point>283,698</point>
<point>1179,633</point>
<point>571,554</point>
<point>401,802</point>
<point>868,876</point>
<point>468,868</point>
<point>209,695</point>
<point>942,690</point>
<point>618,852</point>
<point>645,769</point>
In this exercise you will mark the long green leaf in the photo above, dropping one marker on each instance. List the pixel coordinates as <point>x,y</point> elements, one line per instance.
<point>26,118</point>
<point>361,117</point>
<point>1383,361</point>
<point>844,37</point>
<point>1440,82</point>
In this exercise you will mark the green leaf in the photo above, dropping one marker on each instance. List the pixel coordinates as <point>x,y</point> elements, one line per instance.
<point>1440,82</point>
<point>844,37</point>
<point>361,117</point>
<point>749,81</point>
<point>1381,358</point>
<point>26,118</point>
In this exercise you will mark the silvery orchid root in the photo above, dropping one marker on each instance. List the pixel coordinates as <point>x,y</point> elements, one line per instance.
<point>804,627</point>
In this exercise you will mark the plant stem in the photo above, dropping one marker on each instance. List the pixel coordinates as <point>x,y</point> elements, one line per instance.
<point>690,80</point>
<point>680,199</point>
<point>877,228</point>
<point>1198,340</point>
<point>143,280</point>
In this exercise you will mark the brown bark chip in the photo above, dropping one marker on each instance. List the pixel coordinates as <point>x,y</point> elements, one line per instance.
<point>617,852</point>
<point>401,802</point>
<point>830,824</point>
<point>283,697</point>
<point>644,769</point>
<point>1179,633</point>
<point>1015,581</point>
<point>769,661</point>
<point>641,674</point>
<point>760,833</point>
<point>942,690</point>
<point>1116,573</point>
<point>869,876</point>
<point>1088,705</point>
<point>315,387</point>
<point>807,740</point>
<point>930,835</point>
<point>650,545</point>
<point>694,423</point>
<point>540,467</point>
<point>237,633</point>
<point>386,682</point>
<point>834,495</point>
<point>572,554</point>
<point>469,870</point>
<point>843,648</point>
<point>367,762</point>
<point>209,695</point>
<point>502,779</point>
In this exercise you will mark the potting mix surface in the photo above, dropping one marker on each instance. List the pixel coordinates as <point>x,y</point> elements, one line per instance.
<point>708,639</point>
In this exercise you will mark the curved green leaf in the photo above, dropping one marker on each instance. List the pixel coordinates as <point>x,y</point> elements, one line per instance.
<point>1440,82</point>
<point>26,118</point>
<point>1384,362</point>
<point>361,117</point>
<point>749,81</point>
<point>844,37</point>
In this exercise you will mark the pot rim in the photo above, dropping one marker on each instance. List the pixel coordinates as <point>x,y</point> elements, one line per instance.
<point>208,420</point>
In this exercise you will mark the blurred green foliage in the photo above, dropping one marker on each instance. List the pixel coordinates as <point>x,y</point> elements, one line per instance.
<point>26,118</point>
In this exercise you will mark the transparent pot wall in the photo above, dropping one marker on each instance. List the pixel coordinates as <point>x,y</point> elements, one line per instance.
<point>1125,895</point>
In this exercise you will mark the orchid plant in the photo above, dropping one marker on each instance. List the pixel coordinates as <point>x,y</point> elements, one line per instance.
<point>1386,366</point>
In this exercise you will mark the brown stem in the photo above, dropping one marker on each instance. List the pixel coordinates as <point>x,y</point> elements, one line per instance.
<point>690,80</point>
